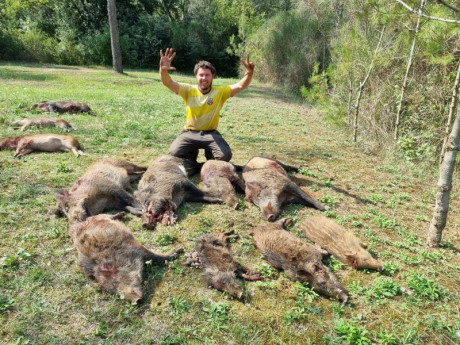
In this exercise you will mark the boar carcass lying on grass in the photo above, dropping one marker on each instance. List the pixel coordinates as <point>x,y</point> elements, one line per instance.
<point>300,261</point>
<point>269,187</point>
<point>220,180</point>
<point>163,188</point>
<point>104,186</point>
<point>62,107</point>
<point>339,242</point>
<point>42,122</point>
<point>26,144</point>
<point>220,271</point>
<point>109,254</point>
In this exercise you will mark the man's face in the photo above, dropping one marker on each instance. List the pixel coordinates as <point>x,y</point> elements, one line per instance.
<point>204,79</point>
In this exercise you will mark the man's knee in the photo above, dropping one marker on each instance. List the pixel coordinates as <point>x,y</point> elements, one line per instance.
<point>224,155</point>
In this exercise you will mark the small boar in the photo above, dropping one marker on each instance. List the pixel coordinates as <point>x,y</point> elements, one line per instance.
<point>339,242</point>
<point>220,271</point>
<point>163,188</point>
<point>220,180</point>
<point>42,122</point>
<point>109,254</point>
<point>269,187</point>
<point>104,186</point>
<point>62,107</point>
<point>49,142</point>
<point>300,261</point>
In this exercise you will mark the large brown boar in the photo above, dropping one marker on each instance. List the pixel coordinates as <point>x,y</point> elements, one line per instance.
<point>62,107</point>
<point>220,180</point>
<point>339,242</point>
<point>300,261</point>
<point>220,271</point>
<point>109,254</point>
<point>104,186</point>
<point>49,142</point>
<point>42,122</point>
<point>269,187</point>
<point>163,188</point>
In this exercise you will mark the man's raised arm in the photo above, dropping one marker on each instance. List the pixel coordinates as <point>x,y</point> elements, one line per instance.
<point>246,80</point>
<point>165,67</point>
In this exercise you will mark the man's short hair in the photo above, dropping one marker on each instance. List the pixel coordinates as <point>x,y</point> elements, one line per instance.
<point>205,65</point>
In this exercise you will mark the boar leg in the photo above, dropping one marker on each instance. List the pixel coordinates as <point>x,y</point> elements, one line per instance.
<point>193,193</point>
<point>158,258</point>
<point>298,195</point>
<point>237,183</point>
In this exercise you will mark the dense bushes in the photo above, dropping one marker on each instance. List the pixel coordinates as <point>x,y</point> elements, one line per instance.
<point>287,47</point>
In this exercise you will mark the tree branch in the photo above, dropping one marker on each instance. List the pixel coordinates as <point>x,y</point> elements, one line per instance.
<point>418,12</point>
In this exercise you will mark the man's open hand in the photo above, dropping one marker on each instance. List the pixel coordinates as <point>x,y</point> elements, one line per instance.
<point>166,59</point>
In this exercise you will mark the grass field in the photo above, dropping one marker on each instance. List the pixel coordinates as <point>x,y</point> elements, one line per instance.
<point>45,299</point>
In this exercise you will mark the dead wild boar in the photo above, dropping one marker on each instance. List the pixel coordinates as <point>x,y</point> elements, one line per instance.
<point>42,122</point>
<point>109,254</point>
<point>49,142</point>
<point>220,180</point>
<point>62,107</point>
<point>212,254</point>
<point>104,186</point>
<point>339,242</point>
<point>269,187</point>
<point>300,261</point>
<point>163,188</point>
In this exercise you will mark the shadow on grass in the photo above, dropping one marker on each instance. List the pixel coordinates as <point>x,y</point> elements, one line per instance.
<point>26,75</point>
<point>305,182</point>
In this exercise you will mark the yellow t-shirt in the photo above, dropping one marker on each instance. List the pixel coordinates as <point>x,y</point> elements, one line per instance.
<point>202,111</point>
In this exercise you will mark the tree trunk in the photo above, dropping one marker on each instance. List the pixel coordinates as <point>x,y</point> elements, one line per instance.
<point>361,88</point>
<point>452,110</point>
<point>114,39</point>
<point>446,170</point>
<point>409,65</point>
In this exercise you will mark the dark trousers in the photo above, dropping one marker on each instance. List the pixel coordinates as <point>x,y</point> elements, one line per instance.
<point>187,144</point>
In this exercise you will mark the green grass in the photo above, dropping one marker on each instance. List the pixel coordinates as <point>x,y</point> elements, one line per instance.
<point>45,299</point>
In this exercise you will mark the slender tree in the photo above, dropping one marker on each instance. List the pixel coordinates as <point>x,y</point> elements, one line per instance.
<point>446,170</point>
<point>452,110</point>
<point>361,87</point>
<point>114,38</point>
<point>409,65</point>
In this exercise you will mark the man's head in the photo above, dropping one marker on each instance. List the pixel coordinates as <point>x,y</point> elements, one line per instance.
<point>204,73</point>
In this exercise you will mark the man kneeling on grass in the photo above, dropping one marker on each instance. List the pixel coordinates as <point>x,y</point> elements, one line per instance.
<point>202,104</point>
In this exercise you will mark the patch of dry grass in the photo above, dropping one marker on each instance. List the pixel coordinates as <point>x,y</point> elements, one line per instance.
<point>45,299</point>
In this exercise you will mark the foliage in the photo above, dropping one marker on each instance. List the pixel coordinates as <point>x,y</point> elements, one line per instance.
<point>287,47</point>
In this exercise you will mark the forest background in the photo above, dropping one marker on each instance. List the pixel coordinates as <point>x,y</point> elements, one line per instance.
<point>320,50</point>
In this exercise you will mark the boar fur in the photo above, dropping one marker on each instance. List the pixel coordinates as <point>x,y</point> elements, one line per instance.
<point>269,187</point>
<point>62,107</point>
<point>220,271</point>
<point>26,144</point>
<point>109,254</point>
<point>42,122</point>
<point>300,261</point>
<point>220,180</point>
<point>104,186</point>
<point>339,242</point>
<point>163,188</point>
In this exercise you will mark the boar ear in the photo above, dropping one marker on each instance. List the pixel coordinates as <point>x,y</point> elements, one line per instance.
<point>252,187</point>
<point>351,259</point>
<point>107,269</point>
<point>61,194</point>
